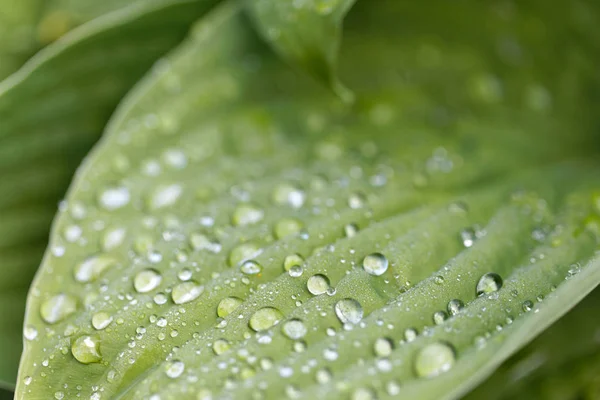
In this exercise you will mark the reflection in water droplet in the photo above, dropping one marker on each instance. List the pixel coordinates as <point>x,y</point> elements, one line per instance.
<point>294,329</point>
<point>227,306</point>
<point>174,369</point>
<point>489,283</point>
<point>101,320</point>
<point>186,292</point>
<point>317,284</point>
<point>375,264</point>
<point>265,318</point>
<point>58,307</point>
<point>349,311</point>
<point>91,268</point>
<point>434,359</point>
<point>146,280</point>
<point>86,349</point>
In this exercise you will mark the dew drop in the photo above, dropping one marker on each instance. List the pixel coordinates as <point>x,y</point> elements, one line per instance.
<point>29,332</point>
<point>265,318</point>
<point>146,280</point>
<point>351,230</point>
<point>356,200</point>
<point>91,268</point>
<point>375,264</point>
<point>243,252</point>
<point>101,320</point>
<point>58,307</point>
<point>363,394</point>
<point>489,283</point>
<point>294,329</point>
<point>527,305</point>
<point>227,306</point>
<point>185,274</point>
<point>199,241</point>
<point>246,214</point>
<point>114,198</point>
<point>434,359</point>
<point>174,369</point>
<point>113,238</point>
<point>349,311</point>
<point>59,395</point>
<point>186,292</point>
<point>287,226</point>
<point>220,346</point>
<point>86,349</point>
<point>410,334</point>
<point>292,260</point>
<point>454,306</point>
<point>383,347</point>
<point>286,194</point>
<point>250,267</point>
<point>164,196</point>
<point>296,271</point>
<point>439,317</point>
<point>317,284</point>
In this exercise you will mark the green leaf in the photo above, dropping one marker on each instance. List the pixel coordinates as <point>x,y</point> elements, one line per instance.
<point>306,32</point>
<point>263,238</point>
<point>562,363</point>
<point>52,111</point>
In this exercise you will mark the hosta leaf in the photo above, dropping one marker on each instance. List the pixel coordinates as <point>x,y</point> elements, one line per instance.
<point>307,32</point>
<point>246,234</point>
<point>562,363</point>
<point>52,111</point>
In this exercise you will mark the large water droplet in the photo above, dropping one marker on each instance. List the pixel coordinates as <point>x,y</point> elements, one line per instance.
<point>101,320</point>
<point>227,306</point>
<point>317,284</point>
<point>489,283</point>
<point>349,311</point>
<point>58,307</point>
<point>375,264</point>
<point>174,369</point>
<point>434,359</point>
<point>86,349</point>
<point>91,268</point>
<point>146,280</point>
<point>294,329</point>
<point>265,318</point>
<point>186,292</point>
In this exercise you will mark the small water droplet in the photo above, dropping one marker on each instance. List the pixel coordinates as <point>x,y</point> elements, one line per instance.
<point>317,284</point>
<point>250,267</point>
<point>265,318</point>
<point>489,283</point>
<point>292,260</point>
<point>439,317</point>
<point>375,264</point>
<point>296,271</point>
<point>356,200</point>
<point>287,226</point>
<point>286,194</point>
<point>410,334</point>
<point>363,394</point>
<point>434,359</point>
<point>113,238</point>
<point>164,196</point>
<point>185,274</point>
<point>146,280</point>
<point>227,306</point>
<point>186,292</point>
<point>349,311</point>
<point>454,306</point>
<point>86,349</point>
<point>527,305</point>
<point>383,347</point>
<point>350,230</point>
<point>58,307</point>
<point>294,329</point>
<point>91,268</point>
<point>59,395</point>
<point>243,252</point>
<point>114,198</point>
<point>220,346</point>
<point>174,369</point>
<point>29,332</point>
<point>101,320</point>
<point>246,214</point>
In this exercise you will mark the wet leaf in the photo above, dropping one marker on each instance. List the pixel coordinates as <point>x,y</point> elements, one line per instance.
<point>265,238</point>
<point>52,111</point>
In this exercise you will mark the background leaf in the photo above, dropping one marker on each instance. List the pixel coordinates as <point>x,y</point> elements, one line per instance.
<point>52,111</point>
<point>455,162</point>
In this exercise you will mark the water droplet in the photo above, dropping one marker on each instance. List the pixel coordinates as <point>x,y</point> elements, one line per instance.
<point>101,320</point>
<point>349,311</point>
<point>296,271</point>
<point>356,200</point>
<point>317,284</point>
<point>146,280</point>
<point>86,349</point>
<point>185,274</point>
<point>250,267</point>
<point>243,252</point>
<point>220,346</point>
<point>227,306</point>
<point>199,241</point>
<point>246,214</point>
<point>292,260</point>
<point>59,395</point>
<point>410,334</point>
<point>351,230</point>
<point>383,347</point>
<point>174,369</point>
<point>265,318</point>
<point>114,198</point>
<point>164,196</point>
<point>363,394</point>
<point>287,226</point>
<point>489,283</point>
<point>375,264</point>
<point>29,332</point>
<point>113,238</point>
<point>439,317</point>
<point>91,268</point>
<point>58,307</point>
<point>527,305</point>
<point>186,292</point>
<point>468,237</point>
<point>454,306</point>
<point>27,380</point>
<point>286,194</point>
<point>294,329</point>
<point>434,359</point>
